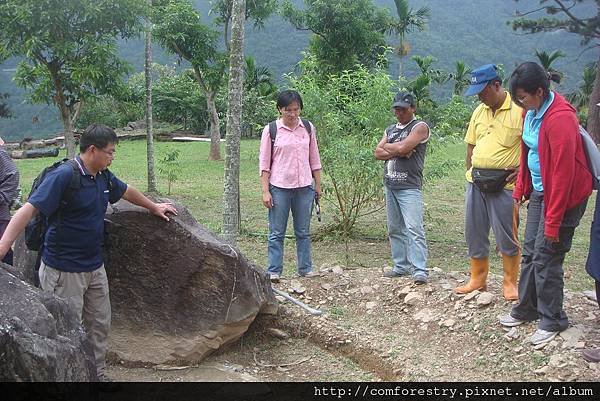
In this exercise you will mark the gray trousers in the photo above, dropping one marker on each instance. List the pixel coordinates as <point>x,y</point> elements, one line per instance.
<point>541,282</point>
<point>490,209</point>
<point>87,293</point>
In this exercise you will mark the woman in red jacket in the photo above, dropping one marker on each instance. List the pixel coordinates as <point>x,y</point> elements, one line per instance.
<point>554,177</point>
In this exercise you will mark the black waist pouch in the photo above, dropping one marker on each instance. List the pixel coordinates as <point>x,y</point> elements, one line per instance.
<point>490,180</point>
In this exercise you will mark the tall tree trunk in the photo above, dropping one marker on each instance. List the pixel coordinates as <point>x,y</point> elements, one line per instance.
<point>65,113</point>
<point>78,106</point>
<point>149,128</point>
<point>593,120</point>
<point>215,133</point>
<point>231,193</point>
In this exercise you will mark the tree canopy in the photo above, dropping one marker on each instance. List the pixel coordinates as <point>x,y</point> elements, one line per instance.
<point>180,31</point>
<point>256,10</point>
<point>345,33</point>
<point>565,15</point>
<point>68,48</point>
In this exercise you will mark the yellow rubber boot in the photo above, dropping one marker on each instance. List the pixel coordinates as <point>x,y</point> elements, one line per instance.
<point>511,266</point>
<point>478,279</point>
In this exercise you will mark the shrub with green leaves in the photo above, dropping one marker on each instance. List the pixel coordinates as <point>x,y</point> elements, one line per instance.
<point>350,110</point>
<point>176,97</point>
<point>109,110</point>
<point>169,167</point>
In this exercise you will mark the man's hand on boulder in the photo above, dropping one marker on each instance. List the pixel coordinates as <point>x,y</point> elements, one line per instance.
<point>162,209</point>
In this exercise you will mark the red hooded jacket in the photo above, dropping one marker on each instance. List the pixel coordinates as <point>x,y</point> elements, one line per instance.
<point>566,178</point>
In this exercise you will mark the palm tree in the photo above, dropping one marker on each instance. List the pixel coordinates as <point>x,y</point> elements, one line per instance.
<point>258,77</point>
<point>581,96</point>
<point>461,77</point>
<point>436,75</point>
<point>408,21</point>
<point>546,59</point>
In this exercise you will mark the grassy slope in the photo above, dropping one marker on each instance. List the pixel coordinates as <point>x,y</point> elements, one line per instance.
<point>200,189</point>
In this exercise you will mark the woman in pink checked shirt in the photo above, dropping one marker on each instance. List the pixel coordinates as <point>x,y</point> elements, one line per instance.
<point>287,168</point>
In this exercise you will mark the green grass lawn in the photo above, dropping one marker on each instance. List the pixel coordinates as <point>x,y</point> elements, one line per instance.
<point>200,188</point>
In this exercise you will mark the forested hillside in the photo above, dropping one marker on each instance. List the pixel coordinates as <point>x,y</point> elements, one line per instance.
<point>476,32</point>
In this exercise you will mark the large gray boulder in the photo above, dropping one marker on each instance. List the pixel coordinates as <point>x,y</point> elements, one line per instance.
<point>177,291</point>
<point>41,338</point>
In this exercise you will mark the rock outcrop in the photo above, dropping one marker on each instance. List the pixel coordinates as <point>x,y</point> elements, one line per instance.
<point>41,338</point>
<point>177,291</point>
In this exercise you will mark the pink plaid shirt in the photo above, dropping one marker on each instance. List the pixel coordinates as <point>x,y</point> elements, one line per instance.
<point>295,156</point>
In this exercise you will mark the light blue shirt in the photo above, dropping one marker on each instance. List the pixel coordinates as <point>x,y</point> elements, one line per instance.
<point>531,133</point>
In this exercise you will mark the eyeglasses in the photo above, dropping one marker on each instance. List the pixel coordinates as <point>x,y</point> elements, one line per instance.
<point>110,153</point>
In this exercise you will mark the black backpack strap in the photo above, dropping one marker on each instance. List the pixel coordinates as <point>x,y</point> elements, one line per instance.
<point>75,183</point>
<point>307,124</point>
<point>273,135</point>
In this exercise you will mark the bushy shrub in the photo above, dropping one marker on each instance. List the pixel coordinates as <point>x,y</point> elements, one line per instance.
<point>176,97</point>
<point>110,111</point>
<point>350,111</point>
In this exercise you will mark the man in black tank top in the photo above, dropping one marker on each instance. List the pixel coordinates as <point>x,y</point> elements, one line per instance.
<point>403,149</point>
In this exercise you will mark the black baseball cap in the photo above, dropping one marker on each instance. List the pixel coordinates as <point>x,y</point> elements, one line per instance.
<point>404,99</point>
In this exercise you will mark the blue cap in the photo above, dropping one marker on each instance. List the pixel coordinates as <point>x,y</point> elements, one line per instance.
<point>480,78</point>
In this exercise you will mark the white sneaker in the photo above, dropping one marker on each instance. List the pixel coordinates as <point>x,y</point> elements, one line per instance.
<point>509,321</point>
<point>542,336</point>
<point>274,277</point>
<point>310,274</point>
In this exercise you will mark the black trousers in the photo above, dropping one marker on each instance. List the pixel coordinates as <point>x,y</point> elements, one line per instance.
<point>541,282</point>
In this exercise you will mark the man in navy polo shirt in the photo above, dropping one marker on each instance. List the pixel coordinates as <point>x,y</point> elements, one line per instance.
<point>72,264</point>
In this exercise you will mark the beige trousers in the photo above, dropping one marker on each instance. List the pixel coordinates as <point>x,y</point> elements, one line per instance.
<point>87,293</point>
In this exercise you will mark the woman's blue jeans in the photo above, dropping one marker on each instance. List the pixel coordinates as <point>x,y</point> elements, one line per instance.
<point>300,202</point>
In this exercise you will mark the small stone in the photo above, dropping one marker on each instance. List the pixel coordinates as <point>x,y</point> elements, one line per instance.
<point>447,286</point>
<point>296,287</point>
<point>571,336</point>
<point>437,270</point>
<point>542,371</point>
<point>366,290</point>
<point>425,315</point>
<point>326,286</point>
<point>448,322</point>
<point>512,334</point>
<point>580,345</point>
<point>277,333</point>
<point>557,361</point>
<point>337,270</point>
<point>540,346</point>
<point>404,291</point>
<point>371,305</point>
<point>485,298</point>
<point>471,295</point>
<point>413,298</point>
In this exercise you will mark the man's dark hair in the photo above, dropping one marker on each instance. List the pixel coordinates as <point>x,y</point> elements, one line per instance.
<point>287,97</point>
<point>98,135</point>
<point>529,77</point>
